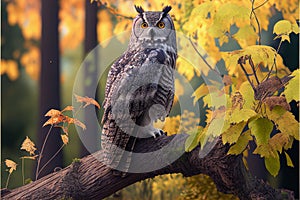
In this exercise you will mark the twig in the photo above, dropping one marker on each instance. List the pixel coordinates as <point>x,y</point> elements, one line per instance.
<point>253,69</point>
<point>244,70</point>
<point>209,66</point>
<point>274,63</point>
<point>41,153</point>
<point>256,19</point>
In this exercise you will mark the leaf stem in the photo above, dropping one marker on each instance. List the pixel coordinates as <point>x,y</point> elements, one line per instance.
<point>41,153</point>
<point>23,173</point>
<point>7,181</point>
<point>50,160</point>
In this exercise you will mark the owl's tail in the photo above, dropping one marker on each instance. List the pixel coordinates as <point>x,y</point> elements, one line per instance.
<point>118,149</point>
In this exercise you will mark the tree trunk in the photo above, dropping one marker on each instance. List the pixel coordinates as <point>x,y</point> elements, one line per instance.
<point>49,94</point>
<point>90,137</point>
<point>90,179</point>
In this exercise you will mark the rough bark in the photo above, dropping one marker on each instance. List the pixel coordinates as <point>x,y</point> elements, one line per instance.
<point>90,179</point>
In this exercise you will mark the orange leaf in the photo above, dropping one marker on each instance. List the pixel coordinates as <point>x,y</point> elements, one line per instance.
<point>68,108</point>
<point>52,113</point>
<point>55,120</point>
<point>79,123</point>
<point>87,101</point>
<point>65,139</point>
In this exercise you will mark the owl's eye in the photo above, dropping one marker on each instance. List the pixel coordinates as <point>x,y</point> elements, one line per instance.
<point>144,25</point>
<point>161,25</point>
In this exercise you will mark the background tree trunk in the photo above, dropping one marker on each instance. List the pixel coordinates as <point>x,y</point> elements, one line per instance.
<point>49,93</point>
<point>90,136</point>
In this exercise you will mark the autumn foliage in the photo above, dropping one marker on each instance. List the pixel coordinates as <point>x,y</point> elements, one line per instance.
<point>256,85</point>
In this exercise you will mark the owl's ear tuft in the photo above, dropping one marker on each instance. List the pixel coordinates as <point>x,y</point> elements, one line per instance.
<point>139,9</point>
<point>166,10</point>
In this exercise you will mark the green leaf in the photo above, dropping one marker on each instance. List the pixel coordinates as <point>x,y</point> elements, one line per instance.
<point>193,140</point>
<point>248,95</point>
<point>233,133</point>
<point>284,120</point>
<point>261,128</point>
<point>241,144</point>
<point>238,116</point>
<point>291,91</point>
<point>289,161</point>
<point>273,164</point>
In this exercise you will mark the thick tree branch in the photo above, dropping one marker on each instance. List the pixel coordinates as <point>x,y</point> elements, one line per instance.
<point>90,179</point>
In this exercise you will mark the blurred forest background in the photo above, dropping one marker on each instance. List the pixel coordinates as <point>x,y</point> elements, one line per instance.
<point>43,44</point>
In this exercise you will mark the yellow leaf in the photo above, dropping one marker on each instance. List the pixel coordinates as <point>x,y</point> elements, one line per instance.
<point>291,91</point>
<point>201,91</point>
<point>232,134</point>
<point>28,146</point>
<point>104,27</point>
<point>246,36</point>
<point>10,67</point>
<point>185,68</point>
<point>65,139</point>
<point>241,144</point>
<point>282,27</point>
<point>238,116</point>
<point>122,26</point>
<point>11,165</point>
<point>289,161</point>
<point>31,61</point>
<point>248,95</point>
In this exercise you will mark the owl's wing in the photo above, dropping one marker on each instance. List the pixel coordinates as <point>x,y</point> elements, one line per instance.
<point>114,140</point>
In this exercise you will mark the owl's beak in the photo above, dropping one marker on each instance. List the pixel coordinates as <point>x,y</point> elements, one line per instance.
<point>151,33</point>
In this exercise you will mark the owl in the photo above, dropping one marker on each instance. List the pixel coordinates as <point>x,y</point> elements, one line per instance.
<point>139,88</point>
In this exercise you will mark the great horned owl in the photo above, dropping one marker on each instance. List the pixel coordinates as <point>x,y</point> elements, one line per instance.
<point>139,88</point>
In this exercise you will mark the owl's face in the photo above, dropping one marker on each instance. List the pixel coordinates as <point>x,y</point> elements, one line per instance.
<point>153,28</point>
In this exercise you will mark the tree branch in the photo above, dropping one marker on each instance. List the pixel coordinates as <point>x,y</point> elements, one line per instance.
<point>90,179</point>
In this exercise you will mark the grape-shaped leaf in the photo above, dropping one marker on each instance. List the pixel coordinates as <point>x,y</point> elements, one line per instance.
<point>248,94</point>
<point>232,134</point>
<point>217,126</point>
<point>273,164</point>
<point>291,91</point>
<point>216,99</point>
<point>238,116</point>
<point>284,120</point>
<point>283,28</point>
<point>261,128</point>
<point>241,143</point>
<point>200,92</point>
<point>193,140</point>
